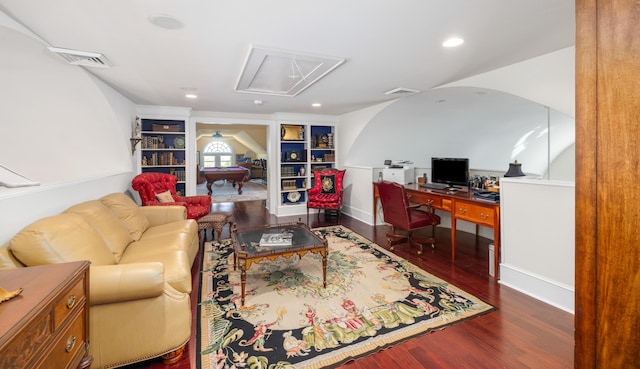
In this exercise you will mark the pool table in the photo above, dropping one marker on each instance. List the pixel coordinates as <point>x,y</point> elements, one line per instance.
<point>233,174</point>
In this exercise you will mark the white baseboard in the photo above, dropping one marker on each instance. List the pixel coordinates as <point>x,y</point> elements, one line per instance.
<point>363,216</point>
<point>551,292</point>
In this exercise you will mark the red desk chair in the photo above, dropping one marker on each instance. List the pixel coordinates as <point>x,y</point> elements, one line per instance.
<point>405,217</point>
<point>326,192</point>
<point>159,189</point>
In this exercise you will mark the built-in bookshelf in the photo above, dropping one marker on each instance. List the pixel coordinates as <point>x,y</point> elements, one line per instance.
<point>303,149</point>
<point>163,149</point>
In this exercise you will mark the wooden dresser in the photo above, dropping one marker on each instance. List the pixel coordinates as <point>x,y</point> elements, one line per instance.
<point>47,326</point>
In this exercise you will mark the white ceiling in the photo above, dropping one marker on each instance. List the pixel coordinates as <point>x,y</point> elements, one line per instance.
<point>386,44</point>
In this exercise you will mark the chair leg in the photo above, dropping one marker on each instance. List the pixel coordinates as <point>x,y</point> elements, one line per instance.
<point>413,241</point>
<point>419,241</point>
<point>394,238</point>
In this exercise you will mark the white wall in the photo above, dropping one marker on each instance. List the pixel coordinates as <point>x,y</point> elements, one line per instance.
<point>61,127</point>
<point>538,233</point>
<point>411,130</point>
<point>548,80</point>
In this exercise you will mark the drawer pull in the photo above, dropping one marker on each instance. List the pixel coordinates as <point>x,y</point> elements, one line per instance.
<point>71,342</point>
<point>462,210</point>
<point>71,301</point>
<point>484,216</point>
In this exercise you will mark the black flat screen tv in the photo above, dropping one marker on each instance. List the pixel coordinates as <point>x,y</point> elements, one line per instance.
<point>450,171</point>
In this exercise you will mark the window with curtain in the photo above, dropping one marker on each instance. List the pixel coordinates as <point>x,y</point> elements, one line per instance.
<point>217,154</point>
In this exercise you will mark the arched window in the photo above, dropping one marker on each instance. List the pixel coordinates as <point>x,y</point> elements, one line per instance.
<point>217,154</point>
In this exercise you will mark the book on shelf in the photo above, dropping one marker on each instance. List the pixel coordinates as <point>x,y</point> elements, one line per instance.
<point>276,239</point>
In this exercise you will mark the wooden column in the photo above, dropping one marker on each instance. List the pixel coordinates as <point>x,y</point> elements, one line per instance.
<point>607,319</point>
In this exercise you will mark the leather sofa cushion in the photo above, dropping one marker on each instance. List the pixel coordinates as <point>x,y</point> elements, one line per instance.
<point>181,226</point>
<point>177,264</point>
<point>128,212</point>
<point>58,239</point>
<point>180,235</point>
<point>106,223</point>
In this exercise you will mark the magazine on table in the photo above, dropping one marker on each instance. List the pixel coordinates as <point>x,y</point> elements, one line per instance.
<point>276,239</point>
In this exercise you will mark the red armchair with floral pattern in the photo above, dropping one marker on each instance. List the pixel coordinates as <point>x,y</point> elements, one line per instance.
<point>327,190</point>
<point>159,189</point>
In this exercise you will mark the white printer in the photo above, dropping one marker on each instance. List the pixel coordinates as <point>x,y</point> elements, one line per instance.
<point>399,171</point>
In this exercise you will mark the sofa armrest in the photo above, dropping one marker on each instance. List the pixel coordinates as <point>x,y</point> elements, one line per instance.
<point>125,282</point>
<point>158,215</point>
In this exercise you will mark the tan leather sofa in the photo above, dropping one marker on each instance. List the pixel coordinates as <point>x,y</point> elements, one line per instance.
<point>140,275</point>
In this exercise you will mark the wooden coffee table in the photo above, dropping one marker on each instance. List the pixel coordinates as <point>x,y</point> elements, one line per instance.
<point>247,249</point>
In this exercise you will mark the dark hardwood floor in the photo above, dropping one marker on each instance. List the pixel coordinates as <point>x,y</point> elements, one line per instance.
<point>522,333</point>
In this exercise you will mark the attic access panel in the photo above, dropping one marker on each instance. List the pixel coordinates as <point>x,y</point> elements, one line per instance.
<point>283,73</point>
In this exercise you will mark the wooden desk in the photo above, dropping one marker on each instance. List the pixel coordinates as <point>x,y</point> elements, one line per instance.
<point>47,326</point>
<point>235,174</point>
<point>462,205</point>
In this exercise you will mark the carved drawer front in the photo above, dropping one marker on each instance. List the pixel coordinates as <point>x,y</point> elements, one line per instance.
<point>28,344</point>
<point>69,302</point>
<point>475,213</point>
<point>69,347</point>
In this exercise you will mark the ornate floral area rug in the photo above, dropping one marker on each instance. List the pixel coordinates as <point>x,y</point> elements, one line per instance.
<point>373,300</point>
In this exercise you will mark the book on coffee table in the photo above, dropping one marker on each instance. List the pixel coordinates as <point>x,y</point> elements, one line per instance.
<point>276,239</point>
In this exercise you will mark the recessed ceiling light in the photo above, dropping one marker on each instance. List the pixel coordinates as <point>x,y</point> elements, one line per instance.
<point>316,105</point>
<point>258,102</point>
<point>165,21</point>
<point>191,96</point>
<point>453,42</point>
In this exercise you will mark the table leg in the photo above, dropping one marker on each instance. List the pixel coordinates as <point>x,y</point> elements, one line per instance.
<point>453,239</point>
<point>209,187</point>
<point>324,269</point>
<point>243,283</point>
<point>240,184</point>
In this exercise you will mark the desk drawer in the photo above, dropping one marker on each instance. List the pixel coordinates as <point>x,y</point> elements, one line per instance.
<point>437,202</point>
<point>475,213</point>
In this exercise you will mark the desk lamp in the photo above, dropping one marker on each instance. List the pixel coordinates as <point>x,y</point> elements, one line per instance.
<point>515,170</point>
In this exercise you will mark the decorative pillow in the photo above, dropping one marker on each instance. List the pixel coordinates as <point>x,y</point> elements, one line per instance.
<point>328,183</point>
<point>165,196</point>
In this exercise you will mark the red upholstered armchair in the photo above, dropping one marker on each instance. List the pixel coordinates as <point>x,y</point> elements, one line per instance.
<point>405,216</point>
<point>327,191</point>
<point>153,188</point>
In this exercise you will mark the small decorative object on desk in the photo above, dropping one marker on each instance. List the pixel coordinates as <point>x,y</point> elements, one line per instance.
<point>276,239</point>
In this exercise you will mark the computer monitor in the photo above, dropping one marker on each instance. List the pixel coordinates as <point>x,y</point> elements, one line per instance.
<point>450,171</point>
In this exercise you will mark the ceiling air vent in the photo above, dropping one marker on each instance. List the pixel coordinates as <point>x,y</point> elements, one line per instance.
<point>402,91</point>
<point>84,58</point>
